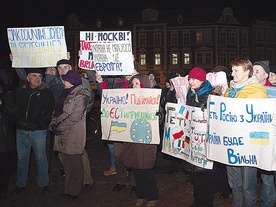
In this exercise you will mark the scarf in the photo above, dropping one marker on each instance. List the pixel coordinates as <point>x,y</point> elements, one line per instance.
<point>198,92</point>
<point>236,87</point>
<point>60,102</point>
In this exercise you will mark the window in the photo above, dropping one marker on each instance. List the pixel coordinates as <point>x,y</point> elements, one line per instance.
<point>244,38</point>
<point>174,38</point>
<point>157,59</point>
<point>157,39</point>
<point>142,39</point>
<point>232,38</point>
<point>207,37</point>
<point>174,58</point>
<point>223,59</point>
<point>143,59</point>
<point>222,37</point>
<point>259,35</point>
<point>199,37</point>
<point>208,58</point>
<point>269,35</point>
<point>186,58</point>
<point>199,58</point>
<point>186,38</point>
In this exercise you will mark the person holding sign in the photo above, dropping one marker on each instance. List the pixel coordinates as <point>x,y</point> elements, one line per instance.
<point>243,180</point>
<point>141,158</point>
<point>204,180</point>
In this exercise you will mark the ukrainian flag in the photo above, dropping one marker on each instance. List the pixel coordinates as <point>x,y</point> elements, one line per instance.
<point>259,138</point>
<point>119,127</point>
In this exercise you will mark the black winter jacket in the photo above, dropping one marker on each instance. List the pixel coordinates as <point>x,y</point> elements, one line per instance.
<point>34,107</point>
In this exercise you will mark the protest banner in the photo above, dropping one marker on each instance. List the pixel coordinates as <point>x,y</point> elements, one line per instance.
<point>218,79</point>
<point>36,47</point>
<point>129,115</point>
<point>107,52</point>
<point>185,134</point>
<point>241,133</point>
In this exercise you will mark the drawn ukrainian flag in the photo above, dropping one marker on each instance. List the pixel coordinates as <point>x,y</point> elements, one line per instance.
<point>259,138</point>
<point>119,127</point>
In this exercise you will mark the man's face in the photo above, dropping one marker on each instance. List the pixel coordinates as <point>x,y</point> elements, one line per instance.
<point>35,79</point>
<point>272,78</point>
<point>260,73</point>
<point>239,75</point>
<point>63,68</point>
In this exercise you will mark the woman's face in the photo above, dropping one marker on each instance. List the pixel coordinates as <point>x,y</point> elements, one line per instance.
<point>239,75</point>
<point>195,83</point>
<point>136,83</point>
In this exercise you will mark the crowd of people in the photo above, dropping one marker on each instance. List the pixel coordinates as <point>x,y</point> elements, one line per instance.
<point>48,113</point>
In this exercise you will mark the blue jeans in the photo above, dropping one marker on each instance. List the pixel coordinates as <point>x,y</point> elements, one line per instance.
<point>268,190</point>
<point>24,141</point>
<point>243,181</point>
<point>112,154</point>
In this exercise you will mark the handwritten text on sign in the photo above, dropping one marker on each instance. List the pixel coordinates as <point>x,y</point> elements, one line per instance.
<point>109,53</point>
<point>37,46</point>
<point>241,133</point>
<point>185,134</point>
<point>129,115</point>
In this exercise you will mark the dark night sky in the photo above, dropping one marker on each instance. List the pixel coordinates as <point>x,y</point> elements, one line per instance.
<point>18,13</point>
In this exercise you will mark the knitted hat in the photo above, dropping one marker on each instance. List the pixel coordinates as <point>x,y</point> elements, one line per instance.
<point>63,61</point>
<point>273,69</point>
<point>35,70</point>
<point>197,73</point>
<point>72,77</point>
<point>152,72</point>
<point>264,64</point>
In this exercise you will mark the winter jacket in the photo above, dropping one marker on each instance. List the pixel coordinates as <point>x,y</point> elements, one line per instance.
<point>34,107</point>
<point>7,128</point>
<point>72,122</point>
<point>139,156</point>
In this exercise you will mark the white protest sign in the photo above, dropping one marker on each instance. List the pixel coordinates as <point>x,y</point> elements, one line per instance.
<point>241,133</point>
<point>107,52</point>
<point>129,115</point>
<point>181,85</point>
<point>36,47</point>
<point>218,79</point>
<point>185,134</point>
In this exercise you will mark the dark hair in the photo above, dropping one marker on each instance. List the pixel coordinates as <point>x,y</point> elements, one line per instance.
<point>144,79</point>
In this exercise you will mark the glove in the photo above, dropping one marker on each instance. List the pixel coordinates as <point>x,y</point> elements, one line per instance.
<point>55,130</point>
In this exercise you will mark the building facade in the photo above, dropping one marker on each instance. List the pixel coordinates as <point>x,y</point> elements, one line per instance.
<point>178,40</point>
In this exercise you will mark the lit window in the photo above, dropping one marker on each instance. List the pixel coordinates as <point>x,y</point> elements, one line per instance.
<point>186,58</point>
<point>157,59</point>
<point>199,37</point>
<point>174,59</point>
<point>143,59</point>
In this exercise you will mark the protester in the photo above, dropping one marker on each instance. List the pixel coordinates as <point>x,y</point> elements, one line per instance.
<point>69,126</point>
<point>35,104</point>
<point>261,71</point>
<point>169,95</point>
<point>272,75</point>
<point>7,136</point>
<point>142,158</point>
<point>121,171</point>
<point>152,78</point>
<point>243,179</point>
<point>268,192</point>
<point>204,180</point>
